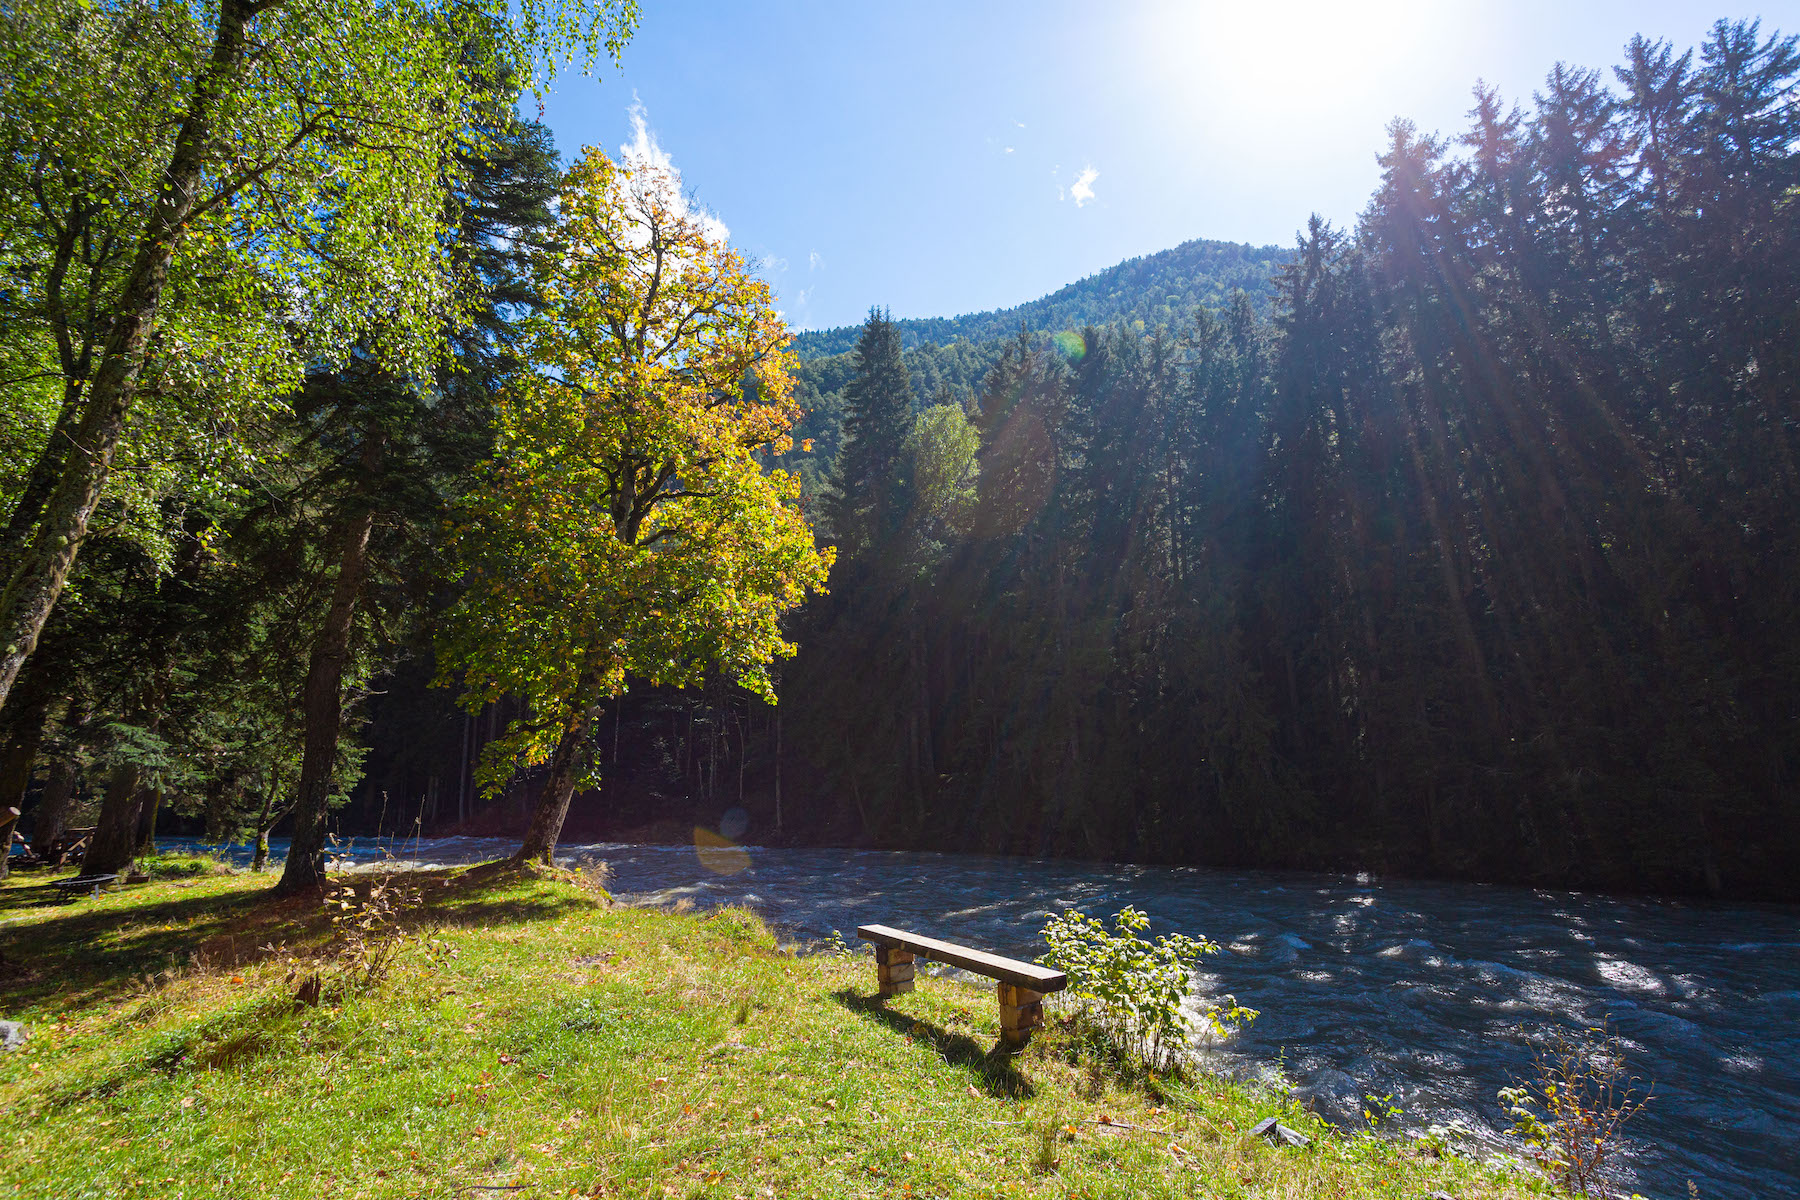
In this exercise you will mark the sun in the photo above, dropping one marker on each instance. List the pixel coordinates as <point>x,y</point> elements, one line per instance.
<point>1284,57</point>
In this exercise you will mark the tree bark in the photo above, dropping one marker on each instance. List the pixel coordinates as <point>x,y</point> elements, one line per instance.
<point>115,834</point>
<point>9,817</point>
<point>52,816</point>
<point>266,821</point>
<point>25,738</point>
<point>37,576</point>
<point>323,702</point>
<point>15,777</point>
<point>552,809</point>
<point>147,812</point>
<point>41,481</point>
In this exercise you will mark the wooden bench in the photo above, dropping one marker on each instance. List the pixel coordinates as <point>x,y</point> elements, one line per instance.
<point>1023,985</point>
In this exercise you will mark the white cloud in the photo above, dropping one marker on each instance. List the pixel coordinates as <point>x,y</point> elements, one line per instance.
<point>1082,190</point>
<point>814,260</point>
<point>772,263</point>
<point>643,150</point>
<point>1009,149</point>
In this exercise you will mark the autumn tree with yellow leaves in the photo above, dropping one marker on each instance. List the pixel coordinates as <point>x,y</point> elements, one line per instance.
<point>627,528</point>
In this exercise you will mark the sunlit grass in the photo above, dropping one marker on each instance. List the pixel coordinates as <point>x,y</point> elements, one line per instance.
<point>557,1046</point>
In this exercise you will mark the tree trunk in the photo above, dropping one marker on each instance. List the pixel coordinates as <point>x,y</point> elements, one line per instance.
<point>26,738</point>
<point>42,479</point>
<point>553,802</point>
<point>146,840</point>
<point>52,816</point>
<point>323,702</point>
<point>265,825</point>
<point>9,817</point>
<point>115,834</point>
<point>38,574</point>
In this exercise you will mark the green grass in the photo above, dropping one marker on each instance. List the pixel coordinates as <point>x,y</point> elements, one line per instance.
<point>553,1045</point>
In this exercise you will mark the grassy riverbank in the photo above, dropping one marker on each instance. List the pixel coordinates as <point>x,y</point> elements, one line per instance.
<point>540,1042</point>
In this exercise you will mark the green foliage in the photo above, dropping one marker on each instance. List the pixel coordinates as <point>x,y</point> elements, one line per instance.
<point>1157,291</point>
<point>940,470</point>
<point>182,866</point>
<point>1380,1110</point>
<point>627,526</point>
<point>868,502</point>
<point>1134,987</point>
<point>1572,1112</point>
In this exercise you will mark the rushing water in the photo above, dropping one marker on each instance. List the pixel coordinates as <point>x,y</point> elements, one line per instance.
<point>1427,991</point>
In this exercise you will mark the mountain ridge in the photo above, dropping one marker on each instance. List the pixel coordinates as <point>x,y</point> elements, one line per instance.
<point>1156,289</point>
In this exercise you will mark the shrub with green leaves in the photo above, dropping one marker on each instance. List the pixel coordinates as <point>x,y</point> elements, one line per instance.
<point>1133,987</point>
<point>1572,1112</point>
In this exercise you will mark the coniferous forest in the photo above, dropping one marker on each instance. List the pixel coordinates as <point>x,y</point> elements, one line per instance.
<point>1459,543</point>
<point>1474,553</point>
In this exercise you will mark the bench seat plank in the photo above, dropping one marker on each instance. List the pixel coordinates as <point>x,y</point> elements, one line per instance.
<point>1006,970</point>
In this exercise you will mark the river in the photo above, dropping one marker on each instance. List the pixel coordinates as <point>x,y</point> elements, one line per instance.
<point>1429,992</point>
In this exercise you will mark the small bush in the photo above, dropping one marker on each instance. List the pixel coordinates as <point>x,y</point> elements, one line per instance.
<point>368,932</point>
<point>182,866</point>
<point>1134,987</point>
<point>740,927</point>
<point>1572,1112</point>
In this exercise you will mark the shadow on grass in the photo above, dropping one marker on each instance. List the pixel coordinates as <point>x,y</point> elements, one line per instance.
<point>993,1068</point>
<point>465,898</point>
<point>99,950</point>
<point>102,948</point>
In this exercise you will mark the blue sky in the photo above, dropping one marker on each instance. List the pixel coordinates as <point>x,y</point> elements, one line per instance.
<point>941,158</point>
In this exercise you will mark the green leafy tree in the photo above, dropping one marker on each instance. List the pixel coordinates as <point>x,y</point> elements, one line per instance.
<point>394,455</point>
<point>627,527</point>
<point>180,183</point>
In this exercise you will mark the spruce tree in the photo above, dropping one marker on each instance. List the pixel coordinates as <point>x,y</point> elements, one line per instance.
<point>866,507</point>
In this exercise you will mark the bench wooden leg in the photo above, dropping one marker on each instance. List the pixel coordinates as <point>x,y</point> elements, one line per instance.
<point>1021,1011</point>
<point>893,970</point>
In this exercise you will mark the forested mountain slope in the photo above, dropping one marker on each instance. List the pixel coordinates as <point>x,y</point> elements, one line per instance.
<point>947,357</point>
<point>1156,290</point>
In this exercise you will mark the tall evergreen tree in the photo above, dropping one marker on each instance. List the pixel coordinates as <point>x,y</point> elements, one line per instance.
<point>866,505</point>
<point>400,452</point>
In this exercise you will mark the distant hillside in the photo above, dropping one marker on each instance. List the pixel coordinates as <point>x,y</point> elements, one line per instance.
<point>1157,289</point>
<point>948,356</point>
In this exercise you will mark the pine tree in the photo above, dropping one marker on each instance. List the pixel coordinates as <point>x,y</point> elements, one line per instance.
<point>866,507</point>
<point>406,452</point>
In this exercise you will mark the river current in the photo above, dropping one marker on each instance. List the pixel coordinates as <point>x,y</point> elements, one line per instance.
<point>1428,992</point>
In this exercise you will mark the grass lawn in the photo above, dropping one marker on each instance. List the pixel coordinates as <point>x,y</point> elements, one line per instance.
<point>551,1044</point>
